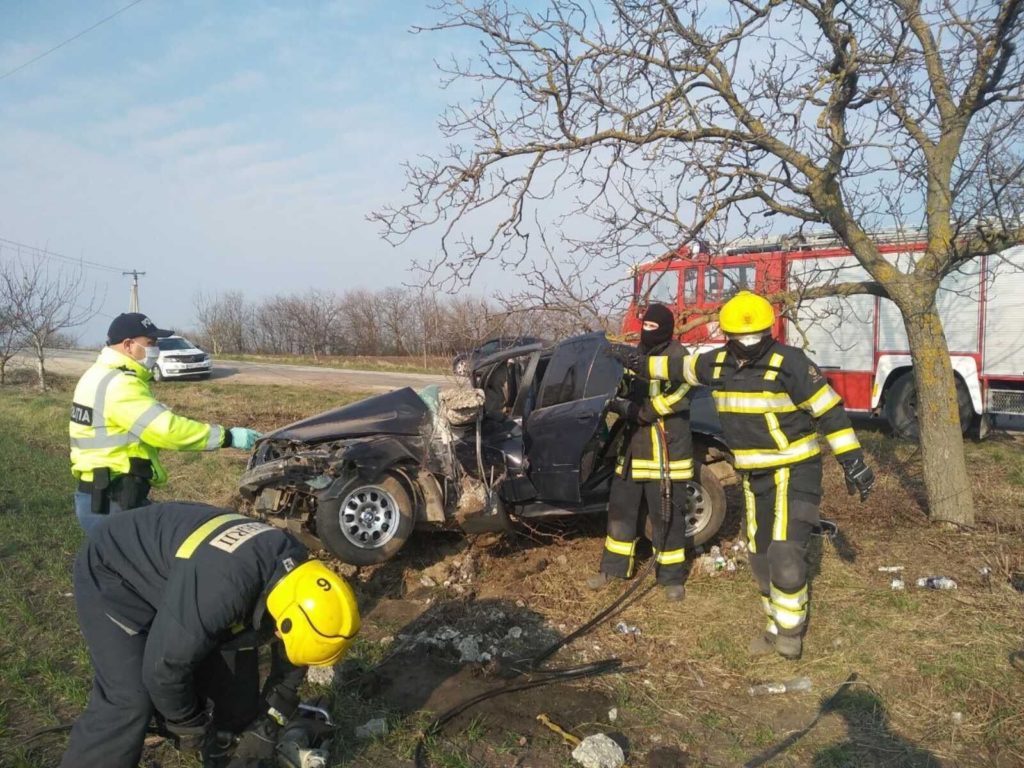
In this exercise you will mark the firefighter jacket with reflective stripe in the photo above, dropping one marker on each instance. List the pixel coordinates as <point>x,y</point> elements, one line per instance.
<point>115,418</point>
<point>663,406</point>
<point>768,406</point>
<point>190,577</point>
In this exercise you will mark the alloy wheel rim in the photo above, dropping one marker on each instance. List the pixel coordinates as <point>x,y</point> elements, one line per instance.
<point>369,517</point>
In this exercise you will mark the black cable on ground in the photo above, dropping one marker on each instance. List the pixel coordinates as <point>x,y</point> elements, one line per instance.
<point>44,731</point>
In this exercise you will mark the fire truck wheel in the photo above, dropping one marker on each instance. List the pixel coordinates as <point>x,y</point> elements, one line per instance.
<point>901,407</point>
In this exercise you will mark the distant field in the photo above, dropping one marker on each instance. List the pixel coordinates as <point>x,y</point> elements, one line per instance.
<point>934,684</point>
<point>396,364</point>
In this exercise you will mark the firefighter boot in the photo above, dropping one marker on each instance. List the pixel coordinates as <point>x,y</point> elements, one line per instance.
<point>789,646</point>
<point>599,581</point>
<point>762,644</point>
<point>674,593</point>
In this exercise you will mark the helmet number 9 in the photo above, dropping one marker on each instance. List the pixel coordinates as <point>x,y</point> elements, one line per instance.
<point>324,584</point>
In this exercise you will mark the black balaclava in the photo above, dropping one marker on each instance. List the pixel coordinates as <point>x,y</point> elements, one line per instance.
<point>749,352</point>
<point>662,315</point>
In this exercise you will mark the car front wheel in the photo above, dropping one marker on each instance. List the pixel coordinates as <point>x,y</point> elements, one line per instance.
<point>705,511</point>
<point>366,523</point>
<point>158,374</point>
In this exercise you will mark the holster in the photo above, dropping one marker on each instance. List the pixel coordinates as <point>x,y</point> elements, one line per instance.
<point>128,491</point>
<point>98,491</point>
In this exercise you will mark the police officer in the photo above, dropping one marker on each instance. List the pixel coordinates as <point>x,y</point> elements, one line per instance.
<point>158,593</point>
<point>656,458</point>
<point>769,397</point>
<point>117,426</point>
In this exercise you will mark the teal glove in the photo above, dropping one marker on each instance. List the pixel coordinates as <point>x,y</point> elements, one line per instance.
<point>242,438</point>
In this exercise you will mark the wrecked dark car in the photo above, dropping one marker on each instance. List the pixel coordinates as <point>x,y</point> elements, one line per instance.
<point>531,438</point>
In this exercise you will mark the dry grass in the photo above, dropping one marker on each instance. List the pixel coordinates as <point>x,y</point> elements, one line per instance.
<point>934,685</point>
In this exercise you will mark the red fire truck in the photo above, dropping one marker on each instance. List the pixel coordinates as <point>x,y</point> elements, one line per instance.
<point>860,342</point>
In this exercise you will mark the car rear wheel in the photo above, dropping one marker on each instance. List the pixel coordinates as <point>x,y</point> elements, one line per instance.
<point>366,522</point>
<point>706,510</point>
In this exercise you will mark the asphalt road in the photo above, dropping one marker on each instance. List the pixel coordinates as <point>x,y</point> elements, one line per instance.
<point>74,362</point>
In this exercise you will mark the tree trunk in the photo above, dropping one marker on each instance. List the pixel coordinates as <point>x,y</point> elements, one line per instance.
<point>40,365</point>
<point>950,498</point>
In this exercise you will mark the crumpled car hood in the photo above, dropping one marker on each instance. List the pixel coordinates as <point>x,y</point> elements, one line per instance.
<point>401,412</point>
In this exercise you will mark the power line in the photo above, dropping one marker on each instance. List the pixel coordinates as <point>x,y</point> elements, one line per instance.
<point>71,39</point>
<point>48,254</point>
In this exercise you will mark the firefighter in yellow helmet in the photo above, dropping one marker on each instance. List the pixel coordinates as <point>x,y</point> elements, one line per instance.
<point>118,427</point>
<point>771,400</point>
<point>173,601</point>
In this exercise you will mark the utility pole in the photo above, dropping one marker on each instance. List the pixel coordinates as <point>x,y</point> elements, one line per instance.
<point>133,298</point>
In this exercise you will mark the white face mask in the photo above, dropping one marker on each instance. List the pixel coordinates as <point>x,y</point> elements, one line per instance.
<point>149,360</point>
<point>748,339</point>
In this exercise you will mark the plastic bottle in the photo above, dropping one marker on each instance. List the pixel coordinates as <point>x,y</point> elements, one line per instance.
<point>936,582</point>
<point>796,685</point>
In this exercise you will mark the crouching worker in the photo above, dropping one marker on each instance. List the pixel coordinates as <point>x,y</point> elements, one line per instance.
<point>771,399</point>
<point>162,595</point>
<point>656,458</point>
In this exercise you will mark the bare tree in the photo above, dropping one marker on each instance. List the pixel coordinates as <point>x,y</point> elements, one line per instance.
<point>672,121</point>
<point>12,337</point>
<point>224,320</point>
<point>45,301</point>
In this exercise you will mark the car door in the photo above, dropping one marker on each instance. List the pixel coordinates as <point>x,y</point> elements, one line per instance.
<point>577,385</point>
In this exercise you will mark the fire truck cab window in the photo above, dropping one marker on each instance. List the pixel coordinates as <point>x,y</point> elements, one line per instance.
<point>662,287</point>
<point>690,286</point>
<point>723,282</point>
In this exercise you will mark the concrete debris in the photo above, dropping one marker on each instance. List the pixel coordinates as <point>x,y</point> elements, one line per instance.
<point>469,650</point>
<point>427,581</point>
<point>599,751</point>
<point>320,675</point>
<point>372,729</point>
<point>613,714</point>
<point>460,407</point>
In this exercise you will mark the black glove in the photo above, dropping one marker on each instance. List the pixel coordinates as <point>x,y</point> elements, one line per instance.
<point>195,733</point>
<point>859,477</point>
<point>627,409</point>
<point>259,740</point>
<point>629,356</point>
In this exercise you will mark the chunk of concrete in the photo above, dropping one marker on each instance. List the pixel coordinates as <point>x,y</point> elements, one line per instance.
<point>372,729</point>
<point>599,751</point>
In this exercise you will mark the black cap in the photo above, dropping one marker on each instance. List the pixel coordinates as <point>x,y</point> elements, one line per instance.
<point>133,324</point>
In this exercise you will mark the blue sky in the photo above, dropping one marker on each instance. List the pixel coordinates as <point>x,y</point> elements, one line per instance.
<point>216,146</point>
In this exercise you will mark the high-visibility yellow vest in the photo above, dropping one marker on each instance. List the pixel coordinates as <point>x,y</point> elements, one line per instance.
<point>115,418</point>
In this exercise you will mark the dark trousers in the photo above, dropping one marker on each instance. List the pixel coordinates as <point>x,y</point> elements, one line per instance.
<point>781,512</point>
<point>111,731</point>
<point>624,505</point>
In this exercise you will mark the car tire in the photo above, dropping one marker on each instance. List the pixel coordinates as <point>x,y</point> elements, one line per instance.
<point>706,516</point>
<point>901,407</point>
<point>366,522</point>
<point>158,374</point>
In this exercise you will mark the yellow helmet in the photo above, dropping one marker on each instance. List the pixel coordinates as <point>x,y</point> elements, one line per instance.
<point>746,312</point>
<point>316,614</point>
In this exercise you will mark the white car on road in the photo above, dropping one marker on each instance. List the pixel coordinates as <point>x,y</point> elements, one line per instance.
<point>179,358</point>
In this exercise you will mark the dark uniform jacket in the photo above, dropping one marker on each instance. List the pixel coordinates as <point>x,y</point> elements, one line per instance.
<point>666,405</point>
<point>768,405</point>
<point>189,576</point>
